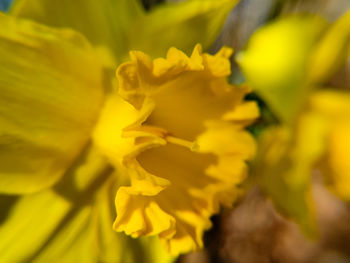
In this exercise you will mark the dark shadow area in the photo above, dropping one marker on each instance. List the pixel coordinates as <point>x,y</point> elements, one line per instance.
<point>6,204</point>
<point>149,4</point>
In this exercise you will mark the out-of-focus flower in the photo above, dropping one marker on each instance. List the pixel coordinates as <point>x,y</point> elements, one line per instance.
<point>181,141</point>
<point>287,63</point>
<point>317,143</point>
<point>333,108</point>
<point>286,59</point>
<point>53,86</point>
<point>276,61</point>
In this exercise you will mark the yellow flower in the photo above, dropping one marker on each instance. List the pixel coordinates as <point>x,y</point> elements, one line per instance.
<point>286,59</point>
<point>180,140</point>
<point>56,82</point>
<point>333,108</point>
<point>288,63</point>
<point>276,61</point>
<point>318,143</point>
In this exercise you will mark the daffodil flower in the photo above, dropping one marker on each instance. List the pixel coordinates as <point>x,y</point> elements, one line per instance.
<point>181,138</point>
<point>289,62</point>
<point>169,143</point>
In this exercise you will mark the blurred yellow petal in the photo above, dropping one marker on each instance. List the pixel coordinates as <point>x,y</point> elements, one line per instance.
<point>334,107</point>
<point>105,22</point>
<point>21,234</point>
<point>275,62</point>
<point>286,177</point>
<point>340,160</point>
<point>71,222</point>
<point>181,25</point>
<point>87,235</point>
<point>332,104</point>
<point>308,147</point>
<point>50,96</point>
<point>174,145</point>
<point>52,210</point>
<point>177,24</point>
<point>245,112</point>
<point>332,52</point>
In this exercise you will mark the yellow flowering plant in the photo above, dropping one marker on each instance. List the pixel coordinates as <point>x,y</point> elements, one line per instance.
<point>289,63</point>
<point>165,138</point>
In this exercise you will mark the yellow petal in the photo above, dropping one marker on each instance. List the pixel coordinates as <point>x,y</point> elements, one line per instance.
<point>141,215</point>
<point>87,234</point>
<point>340,160</point>
<point>181,25</point>
<point>219,65</point>
<point>332,52</point>
<point>50,95</point>
<point>62,207</point>
<point>105,23</point>
<point>286,178</point>
<point>25,230</point>
<point>138,213</point>
<point>248,111</point>
<point>78,215</point>
<point>224,138</point>
<point>334,106</point>
<point>276,62</point>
